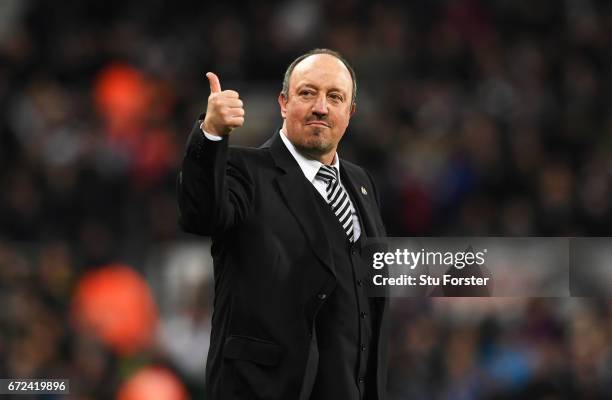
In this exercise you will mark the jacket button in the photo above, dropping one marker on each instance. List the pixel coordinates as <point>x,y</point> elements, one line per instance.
<point>322,296</point>
<point>363,347</point>
<point>361,379</point>
<point>364,314</point>
<point>360,282</point>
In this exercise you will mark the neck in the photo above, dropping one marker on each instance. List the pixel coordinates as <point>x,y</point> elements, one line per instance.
<point>327,159</point>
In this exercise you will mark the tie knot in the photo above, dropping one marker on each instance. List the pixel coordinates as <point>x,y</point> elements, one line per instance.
<point>327,173</point>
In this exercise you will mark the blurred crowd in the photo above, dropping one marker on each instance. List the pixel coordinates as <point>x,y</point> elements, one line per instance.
<point>475,118</point>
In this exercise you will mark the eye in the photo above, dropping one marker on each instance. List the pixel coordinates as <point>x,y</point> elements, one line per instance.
<point>336,97</point>
<point>306,93</point>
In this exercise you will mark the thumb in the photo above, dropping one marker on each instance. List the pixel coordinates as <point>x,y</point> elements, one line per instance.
<point>213,80</point>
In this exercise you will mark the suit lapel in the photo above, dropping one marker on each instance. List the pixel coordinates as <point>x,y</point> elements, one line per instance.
<point>299,197</point>
<point>361,197</point>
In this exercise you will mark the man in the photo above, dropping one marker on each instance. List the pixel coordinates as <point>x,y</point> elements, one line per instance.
<point>288,223</point>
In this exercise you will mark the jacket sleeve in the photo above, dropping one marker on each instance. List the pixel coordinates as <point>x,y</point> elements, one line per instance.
<point>214,188</point>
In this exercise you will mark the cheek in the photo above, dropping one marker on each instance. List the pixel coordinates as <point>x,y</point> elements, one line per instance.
<point>342,121</point>
<point>295,111</point>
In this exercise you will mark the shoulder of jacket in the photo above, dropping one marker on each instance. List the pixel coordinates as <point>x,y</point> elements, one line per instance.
<point>354,168</point>
<point>249,154</point>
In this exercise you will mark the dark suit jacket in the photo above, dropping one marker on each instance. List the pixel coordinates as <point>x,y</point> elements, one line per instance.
<point>272,261</point>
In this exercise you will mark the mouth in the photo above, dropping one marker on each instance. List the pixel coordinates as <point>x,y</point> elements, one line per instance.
<point>318,123</point>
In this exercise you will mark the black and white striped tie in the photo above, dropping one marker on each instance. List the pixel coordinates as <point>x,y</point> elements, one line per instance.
<point>337,198</point>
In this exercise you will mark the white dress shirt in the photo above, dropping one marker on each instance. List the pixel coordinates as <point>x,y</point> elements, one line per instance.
<point>310,168</point>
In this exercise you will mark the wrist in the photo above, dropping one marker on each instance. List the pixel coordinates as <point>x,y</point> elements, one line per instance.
<point>209,135</point>
<point>208,129</point>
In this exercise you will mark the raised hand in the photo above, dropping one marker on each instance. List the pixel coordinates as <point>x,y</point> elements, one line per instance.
<point>224,111</point>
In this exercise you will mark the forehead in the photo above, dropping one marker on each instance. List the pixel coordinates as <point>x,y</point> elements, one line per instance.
<point>322,70</point>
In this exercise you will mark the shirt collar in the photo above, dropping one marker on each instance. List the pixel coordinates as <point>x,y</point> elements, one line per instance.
<point>308,166</point>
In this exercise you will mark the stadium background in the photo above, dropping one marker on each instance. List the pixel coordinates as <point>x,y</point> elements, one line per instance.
<point>475,117</point>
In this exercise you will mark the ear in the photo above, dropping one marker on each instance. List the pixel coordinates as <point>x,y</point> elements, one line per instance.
<point>353,109</point>
<point>282,102</point>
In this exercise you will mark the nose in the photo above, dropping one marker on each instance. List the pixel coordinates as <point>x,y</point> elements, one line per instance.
<point>319,108</point>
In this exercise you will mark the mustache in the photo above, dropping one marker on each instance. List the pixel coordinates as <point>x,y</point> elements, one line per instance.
<point>318,118</point>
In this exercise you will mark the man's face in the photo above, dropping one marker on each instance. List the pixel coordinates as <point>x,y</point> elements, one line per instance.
<point>318,107</point>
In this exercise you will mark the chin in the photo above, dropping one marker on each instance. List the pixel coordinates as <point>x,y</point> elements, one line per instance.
<point>315,147</point>
<point>314,141</point>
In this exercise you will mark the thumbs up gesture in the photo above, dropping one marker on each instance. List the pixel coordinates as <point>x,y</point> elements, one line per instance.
<point>224,111</point>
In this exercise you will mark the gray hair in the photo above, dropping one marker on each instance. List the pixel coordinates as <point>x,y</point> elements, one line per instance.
<point>289,71</point>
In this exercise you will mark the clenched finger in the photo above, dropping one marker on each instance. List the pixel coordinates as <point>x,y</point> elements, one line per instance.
<point>235,121</point>
<point>236,112</point>
<point>232,94</point>
<point>232,103</point>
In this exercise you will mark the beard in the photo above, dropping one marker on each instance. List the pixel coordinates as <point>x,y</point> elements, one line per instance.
<point>316,144</point>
